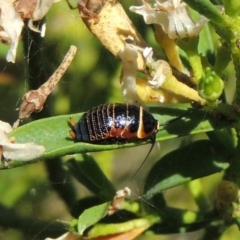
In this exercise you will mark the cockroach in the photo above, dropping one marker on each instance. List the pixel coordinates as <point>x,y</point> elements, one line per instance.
<point>116,123</point>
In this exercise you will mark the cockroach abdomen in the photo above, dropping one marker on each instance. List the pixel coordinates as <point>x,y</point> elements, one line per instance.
<point>80,130</point>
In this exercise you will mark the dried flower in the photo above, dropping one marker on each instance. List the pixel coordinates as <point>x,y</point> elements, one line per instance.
<point>129,56</point>
<point>9,150</point>
<point>11,28</point>
<point>160,76</point>
<point>173,16</point>
<point>119,200</point>
<point>12,16</point>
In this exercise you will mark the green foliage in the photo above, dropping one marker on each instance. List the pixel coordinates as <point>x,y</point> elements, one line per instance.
<point>43,132</point>
<point>201,146</point>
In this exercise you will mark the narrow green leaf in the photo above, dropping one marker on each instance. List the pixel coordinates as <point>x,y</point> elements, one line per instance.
<point>207,9</point>
<point>84,203</point>
<point>206,44</point>
<point>53,133</point>
<point>175,220</point>
<point>199,159</point>
<point>91,216</point>
<point>85,170</point>
<point>109,229</point>
<point>226,137</point>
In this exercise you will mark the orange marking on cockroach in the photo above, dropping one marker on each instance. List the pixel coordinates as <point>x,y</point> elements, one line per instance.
<point>126,134</point>
<point>72,122</point>
<point>115,132</point>
<point>71,132</point>
<point>141,133</point>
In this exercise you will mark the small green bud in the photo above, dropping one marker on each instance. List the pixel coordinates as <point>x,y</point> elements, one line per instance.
<point>210,85</point>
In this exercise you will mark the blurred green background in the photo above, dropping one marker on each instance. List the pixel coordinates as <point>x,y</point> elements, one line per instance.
<point>92,79</point>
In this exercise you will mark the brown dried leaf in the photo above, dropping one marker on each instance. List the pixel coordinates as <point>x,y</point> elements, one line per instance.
<point>111,26</point>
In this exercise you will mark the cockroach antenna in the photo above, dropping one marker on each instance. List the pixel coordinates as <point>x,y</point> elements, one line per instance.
<point>153,137</point>
<point>153,140</point>
<point>180,117</point>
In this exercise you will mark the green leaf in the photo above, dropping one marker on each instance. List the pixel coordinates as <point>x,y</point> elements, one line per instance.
<point>91,216</point>
<point>87,172</point>
<point>206,44</point>
<point>199,159</point>
<point>231,7</point>
<point>53,133</point>
<point>175,220</point>
<point>207,9</point>
<point>110,229</point>
<point>226,137</point>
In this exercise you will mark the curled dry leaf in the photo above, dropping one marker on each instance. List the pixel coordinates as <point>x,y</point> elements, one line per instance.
<point>107,20</point>
<point>16,151</point>
<point>33,101</point>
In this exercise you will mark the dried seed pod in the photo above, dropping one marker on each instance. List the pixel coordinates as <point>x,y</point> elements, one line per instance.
<point>33,101</point>
<point>227,192</point>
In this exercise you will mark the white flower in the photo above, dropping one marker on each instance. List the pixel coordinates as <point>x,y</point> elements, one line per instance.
<point>11,23</point>
<point>129,56</point>
<point>17,151</point>
<point>11,27</point>
<point>173,16</point>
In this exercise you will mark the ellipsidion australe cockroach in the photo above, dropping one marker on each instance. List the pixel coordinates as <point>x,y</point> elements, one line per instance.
<point>116,123</point>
